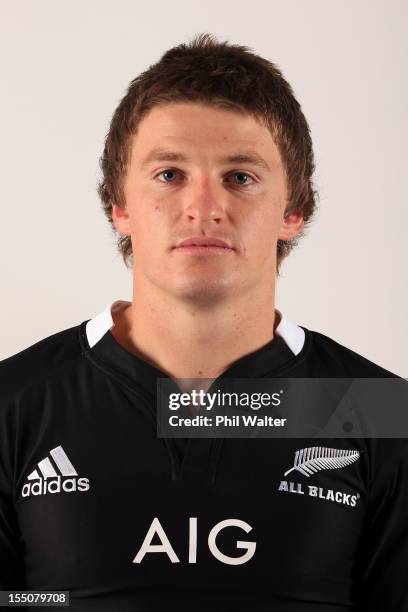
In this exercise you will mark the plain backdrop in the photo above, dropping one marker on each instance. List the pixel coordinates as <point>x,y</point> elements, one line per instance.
<point>65,66</point>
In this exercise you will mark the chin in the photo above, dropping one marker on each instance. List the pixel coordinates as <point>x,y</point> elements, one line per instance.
<point>204,292</point>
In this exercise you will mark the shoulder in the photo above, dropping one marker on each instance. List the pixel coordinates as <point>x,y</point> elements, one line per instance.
<point>385,432</point>
<point>38,361</point>
<point>332,359</point>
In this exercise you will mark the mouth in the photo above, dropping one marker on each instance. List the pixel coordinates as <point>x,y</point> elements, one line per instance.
<point>204,245</point>
<point>203,249</point>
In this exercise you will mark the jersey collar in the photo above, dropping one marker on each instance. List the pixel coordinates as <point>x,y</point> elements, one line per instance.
<point>190,459</point>
<point>283,352</point>
<point>96,328</point>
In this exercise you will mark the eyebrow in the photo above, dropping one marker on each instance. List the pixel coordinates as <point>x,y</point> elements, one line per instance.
<point>245,157</point>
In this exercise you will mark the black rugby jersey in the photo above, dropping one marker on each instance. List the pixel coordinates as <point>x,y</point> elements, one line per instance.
<point>94,503</point>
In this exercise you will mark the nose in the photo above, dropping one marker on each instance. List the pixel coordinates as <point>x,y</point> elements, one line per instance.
<point>204,200</point>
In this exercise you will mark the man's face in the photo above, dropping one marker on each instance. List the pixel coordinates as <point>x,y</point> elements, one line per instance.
<point>193,188</point>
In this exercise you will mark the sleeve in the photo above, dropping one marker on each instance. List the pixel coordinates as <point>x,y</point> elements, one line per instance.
<point>11,558</point>
<point>383,559</point>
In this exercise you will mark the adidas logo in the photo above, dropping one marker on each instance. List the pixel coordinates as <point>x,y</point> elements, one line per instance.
<point>54,477</point>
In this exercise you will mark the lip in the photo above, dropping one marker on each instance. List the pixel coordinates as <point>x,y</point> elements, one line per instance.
<point>201,241</point>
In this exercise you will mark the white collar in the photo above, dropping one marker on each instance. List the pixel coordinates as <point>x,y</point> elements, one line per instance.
<point>292,334</point>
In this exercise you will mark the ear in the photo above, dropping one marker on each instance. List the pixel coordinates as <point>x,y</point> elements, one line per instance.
<point>120,219</point>
<point>292,225</point>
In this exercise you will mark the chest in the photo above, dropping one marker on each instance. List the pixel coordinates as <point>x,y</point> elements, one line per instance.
<point>102,501</point>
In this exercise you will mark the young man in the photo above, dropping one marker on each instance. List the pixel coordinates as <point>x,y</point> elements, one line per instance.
<point>207,181</point>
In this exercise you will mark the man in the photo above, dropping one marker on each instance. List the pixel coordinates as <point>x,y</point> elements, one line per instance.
<point>207,180</point>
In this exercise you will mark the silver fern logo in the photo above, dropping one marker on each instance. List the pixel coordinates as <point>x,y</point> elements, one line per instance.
<point>310,460</point>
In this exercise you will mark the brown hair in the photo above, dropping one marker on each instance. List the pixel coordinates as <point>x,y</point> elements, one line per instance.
<point>222,75</point>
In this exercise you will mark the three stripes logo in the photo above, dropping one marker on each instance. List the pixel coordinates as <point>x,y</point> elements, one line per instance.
<point>54,476</point>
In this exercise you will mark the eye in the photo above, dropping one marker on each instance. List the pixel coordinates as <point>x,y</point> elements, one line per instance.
<point>242,176</point>
<point>167,171</point>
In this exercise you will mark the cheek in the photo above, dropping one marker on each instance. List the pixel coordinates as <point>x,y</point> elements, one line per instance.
<point>150,229</point>
<point>143,215</point>
<point>262,237</point>
<point>265,222</point>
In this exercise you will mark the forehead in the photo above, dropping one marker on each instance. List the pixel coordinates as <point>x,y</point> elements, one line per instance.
<point>205,129</point>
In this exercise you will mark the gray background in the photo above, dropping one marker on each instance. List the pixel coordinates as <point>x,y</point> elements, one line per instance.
<point>65,66</point>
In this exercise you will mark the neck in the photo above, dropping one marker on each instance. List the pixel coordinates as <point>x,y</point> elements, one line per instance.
<point>191,341</point>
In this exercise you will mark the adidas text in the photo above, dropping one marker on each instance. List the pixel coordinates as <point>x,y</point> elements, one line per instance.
<point>55,485</point>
